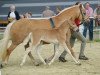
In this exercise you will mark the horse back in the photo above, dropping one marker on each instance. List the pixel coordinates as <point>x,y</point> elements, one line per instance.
<point>21,28</point>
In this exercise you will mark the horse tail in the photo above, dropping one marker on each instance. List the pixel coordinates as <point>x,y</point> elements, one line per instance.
<point>5,40</point>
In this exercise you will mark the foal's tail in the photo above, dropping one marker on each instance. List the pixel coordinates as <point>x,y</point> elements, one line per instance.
<point>5,40</point>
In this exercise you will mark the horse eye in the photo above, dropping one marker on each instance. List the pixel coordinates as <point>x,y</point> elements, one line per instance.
<point>84,13</point>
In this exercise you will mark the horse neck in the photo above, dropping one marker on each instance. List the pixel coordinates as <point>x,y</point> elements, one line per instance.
<point>70,13</point>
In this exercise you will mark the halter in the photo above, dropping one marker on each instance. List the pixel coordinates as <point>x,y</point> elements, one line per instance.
<point>82,15</point>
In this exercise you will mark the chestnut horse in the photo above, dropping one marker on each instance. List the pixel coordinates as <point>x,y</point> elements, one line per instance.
<point>57,36</point>
<point>17,31</point>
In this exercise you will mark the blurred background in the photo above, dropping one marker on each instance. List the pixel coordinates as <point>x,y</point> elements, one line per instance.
<point>37,6</point>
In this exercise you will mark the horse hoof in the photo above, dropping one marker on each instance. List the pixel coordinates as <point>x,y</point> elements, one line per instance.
<point>37,64</point>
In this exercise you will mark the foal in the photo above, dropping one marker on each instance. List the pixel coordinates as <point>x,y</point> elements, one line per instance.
<point>56,36</point>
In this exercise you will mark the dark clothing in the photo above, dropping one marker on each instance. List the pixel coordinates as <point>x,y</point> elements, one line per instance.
<point>98,11</point>
<point>16,13</point>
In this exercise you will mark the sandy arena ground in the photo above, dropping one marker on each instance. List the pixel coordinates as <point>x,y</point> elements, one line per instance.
<point>89,67</point>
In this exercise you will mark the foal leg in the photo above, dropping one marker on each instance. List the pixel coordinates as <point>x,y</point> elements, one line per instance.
<point>51,57</point>
<point>36,49</point>
<point>55,54</point>
<point>38,53</point>
<point>71,50</point>
<point>66,48</point>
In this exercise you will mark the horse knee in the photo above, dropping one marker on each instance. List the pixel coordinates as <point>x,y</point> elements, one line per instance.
<point>9,51</point>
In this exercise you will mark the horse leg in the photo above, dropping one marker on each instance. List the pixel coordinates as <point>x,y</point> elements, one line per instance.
<point>55,54</point>
<point>8,52</point>
<point>36,42</point>
<point>27,45</point>
<point>25,55</point>
<point>29,54</point>
<point>69,51</point>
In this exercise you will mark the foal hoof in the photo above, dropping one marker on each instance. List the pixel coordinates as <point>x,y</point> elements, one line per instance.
<point>49,64</point>
<point>47,61</point>
<point>78,64</point>
<point>36,64</point>
<point>21,65</point>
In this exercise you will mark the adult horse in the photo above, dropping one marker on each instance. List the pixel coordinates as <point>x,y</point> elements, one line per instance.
<point>18,30</point>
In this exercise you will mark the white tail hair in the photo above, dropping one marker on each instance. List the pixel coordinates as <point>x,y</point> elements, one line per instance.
<point>5,40</point>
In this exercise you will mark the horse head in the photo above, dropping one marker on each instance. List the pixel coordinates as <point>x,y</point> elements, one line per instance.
<point>73,12</point>
<point>82,13</point>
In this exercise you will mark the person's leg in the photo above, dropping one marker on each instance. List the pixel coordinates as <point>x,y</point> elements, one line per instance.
<point>96,22</point>
<point>79,36</point>
<point>91,30</point>
<point>85,29</point>
<point>99,23</point>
